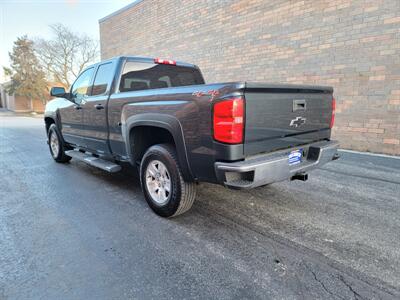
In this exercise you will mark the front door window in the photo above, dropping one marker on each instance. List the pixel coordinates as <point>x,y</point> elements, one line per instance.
<point>80,88</point>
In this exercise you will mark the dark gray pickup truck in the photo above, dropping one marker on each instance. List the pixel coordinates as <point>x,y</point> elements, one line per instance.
<point>161,117</point>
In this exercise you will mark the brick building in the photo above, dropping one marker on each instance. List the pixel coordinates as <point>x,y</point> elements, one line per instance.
<point>19,103</point>
<point>351,45</point>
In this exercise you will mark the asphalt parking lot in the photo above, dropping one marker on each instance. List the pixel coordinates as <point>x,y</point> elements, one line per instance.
<point>74,232</point>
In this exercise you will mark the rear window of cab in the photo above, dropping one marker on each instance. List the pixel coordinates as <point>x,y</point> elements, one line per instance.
<point>142,76</point>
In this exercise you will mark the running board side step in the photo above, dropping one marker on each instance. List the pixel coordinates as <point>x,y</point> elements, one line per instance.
<point>94,161</point>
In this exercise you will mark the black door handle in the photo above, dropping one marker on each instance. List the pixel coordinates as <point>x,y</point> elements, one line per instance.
<point>99,106</point>
<point>77,107</point>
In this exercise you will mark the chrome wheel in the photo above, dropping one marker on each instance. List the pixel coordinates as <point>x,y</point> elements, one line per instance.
<point>158,182</point>
<point>54,144</point>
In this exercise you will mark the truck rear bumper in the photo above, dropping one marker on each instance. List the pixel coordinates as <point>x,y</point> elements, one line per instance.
<point>273,167</point>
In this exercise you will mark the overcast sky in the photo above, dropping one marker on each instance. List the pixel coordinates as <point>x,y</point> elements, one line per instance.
<point>18,17</point>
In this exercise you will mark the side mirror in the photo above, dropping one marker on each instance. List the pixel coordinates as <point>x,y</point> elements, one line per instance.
<point>57,92</point>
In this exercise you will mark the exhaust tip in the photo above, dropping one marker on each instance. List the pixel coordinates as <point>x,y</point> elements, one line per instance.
<point>300,176</point>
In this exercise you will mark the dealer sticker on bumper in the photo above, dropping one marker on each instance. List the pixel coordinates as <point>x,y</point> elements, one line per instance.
<point>295,157</point>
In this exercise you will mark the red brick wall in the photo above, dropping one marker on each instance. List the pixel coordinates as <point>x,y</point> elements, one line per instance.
<point>38,106</point>
<point>22,104</point>
<point>352,45</point>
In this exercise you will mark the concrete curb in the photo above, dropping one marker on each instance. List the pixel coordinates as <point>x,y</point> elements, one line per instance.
<point>370,153</point>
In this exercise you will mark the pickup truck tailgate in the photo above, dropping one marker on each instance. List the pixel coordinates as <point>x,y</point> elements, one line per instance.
<point>284,116</point>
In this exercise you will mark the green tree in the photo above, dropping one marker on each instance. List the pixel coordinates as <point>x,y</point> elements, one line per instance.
<point>27,76</point>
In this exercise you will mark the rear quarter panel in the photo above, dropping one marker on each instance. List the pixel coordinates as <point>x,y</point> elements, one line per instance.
<point>191,106</point>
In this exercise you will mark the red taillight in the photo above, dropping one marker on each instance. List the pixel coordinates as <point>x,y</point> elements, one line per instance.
<point>165,61</point>
<point>228,121</point>
<point>333,112</point>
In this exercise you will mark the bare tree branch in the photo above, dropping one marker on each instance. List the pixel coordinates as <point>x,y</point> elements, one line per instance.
<point>65,55</point>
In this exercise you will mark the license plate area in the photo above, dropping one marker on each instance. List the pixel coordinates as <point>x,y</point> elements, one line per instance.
<point>295,157</point>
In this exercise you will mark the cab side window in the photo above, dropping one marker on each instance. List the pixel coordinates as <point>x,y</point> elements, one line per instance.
<point>81,86</point>
<point>103,78</point>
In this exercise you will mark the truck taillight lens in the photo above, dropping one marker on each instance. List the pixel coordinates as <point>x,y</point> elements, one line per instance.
<point>228,121</point>
<point>333,112</point>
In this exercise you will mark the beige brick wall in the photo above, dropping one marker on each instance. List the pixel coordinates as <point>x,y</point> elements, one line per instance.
<point>352,45</point>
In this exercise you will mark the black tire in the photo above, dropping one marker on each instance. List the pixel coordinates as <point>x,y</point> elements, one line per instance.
<point>182,193</point>
<point>59,156</point>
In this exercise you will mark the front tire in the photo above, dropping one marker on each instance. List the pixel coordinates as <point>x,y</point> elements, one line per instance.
<point>57,146</point>
<point>164,188</point>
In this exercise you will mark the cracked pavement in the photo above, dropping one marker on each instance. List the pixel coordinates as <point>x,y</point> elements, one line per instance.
<point>74,232</point>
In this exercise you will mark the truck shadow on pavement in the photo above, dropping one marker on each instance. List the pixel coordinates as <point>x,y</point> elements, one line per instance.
<point>290,231</point>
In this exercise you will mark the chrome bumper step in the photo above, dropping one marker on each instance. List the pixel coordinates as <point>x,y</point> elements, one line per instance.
<point>94,161</point>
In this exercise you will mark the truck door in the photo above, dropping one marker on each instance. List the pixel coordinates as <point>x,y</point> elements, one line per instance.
<point>71,114</point>
<point>95,109</point>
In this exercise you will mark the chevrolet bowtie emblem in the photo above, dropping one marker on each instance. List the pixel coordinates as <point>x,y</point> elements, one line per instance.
<point>297,122</point>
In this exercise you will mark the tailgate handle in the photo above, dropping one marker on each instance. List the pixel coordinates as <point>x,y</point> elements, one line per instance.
<point>299,104</point>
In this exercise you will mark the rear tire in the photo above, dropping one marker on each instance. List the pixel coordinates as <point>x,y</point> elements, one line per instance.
<point>164,188</point>
<point>57,146</point>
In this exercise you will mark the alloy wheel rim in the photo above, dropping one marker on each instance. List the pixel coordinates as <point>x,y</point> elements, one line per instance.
<point>54,144</point>
<point>158,182</point>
